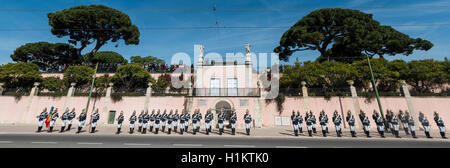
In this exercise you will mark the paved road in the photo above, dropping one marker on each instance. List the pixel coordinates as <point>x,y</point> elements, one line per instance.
<point>129,141</point>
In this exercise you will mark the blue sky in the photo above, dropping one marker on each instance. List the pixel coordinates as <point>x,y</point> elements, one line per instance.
<point>25,21</point>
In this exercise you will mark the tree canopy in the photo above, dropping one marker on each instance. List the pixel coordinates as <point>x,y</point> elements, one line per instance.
<point>45,54</point>
<point>81,75</point>
<point>19,75</point>
<point>106,57</point>
<point>345,35</point>
<point>85,25</point>
<point>131,77</point>
<point>146,60</point>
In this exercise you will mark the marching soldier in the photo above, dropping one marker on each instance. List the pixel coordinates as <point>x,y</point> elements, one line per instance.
<point>366,123</point>
<point>403,118</point>
<point>187,117</point>
<point>440,124</point>
<point>410,121</point>
<point>152,119</point>
<point>145,119</point>
<point>64,118</point>
<point>140,121</point>
<point>41,119</point>
<point>294,119</point>
<point>163,120</point>
<point>389,115</point>
<point>309,123</point>
<point>169,121</point>
<point>313,120</point>
<point>337,120</point>
<point>248,121</point>
<point>323,119</point>
<point>176,117</point>
<point>425,124</point>
<point>157,120</point>
<point>72,115</point>
<point>53,119</point>
<point>194,122</point>
<point>351,122</point>
<point>182,122</point>
<point>196,118</point>
<point>132,119</point>
<point>394,121</point>
<point>208,119</point>
<point>300,121</point>
<point>81,120</point>
<point>380,123</point>
<point>220,120</point>
<point>95,117</point>
<point>119,122</point>
<point>233,119</point>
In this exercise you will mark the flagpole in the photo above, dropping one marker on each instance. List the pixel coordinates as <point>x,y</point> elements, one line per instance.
<point>90,94</point>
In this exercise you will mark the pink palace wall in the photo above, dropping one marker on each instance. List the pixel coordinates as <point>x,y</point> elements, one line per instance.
<point>13,111</point>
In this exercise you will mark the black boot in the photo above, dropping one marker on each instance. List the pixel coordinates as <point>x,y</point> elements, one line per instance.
<point>62,129</point>
<point>163,128</point>
<point>51,129</point>
<point>194,131</point>
<point>68,127</point>
<point>93,130</point>
<point>131,131</point>
<point>185,128</point>
<point>406,131</point>
<point>368,134</point>
<point>353,134</point>
<point>151,129</point>
<point>39,129</point>
<point>233,130</point>
<point>175,129</point>
<point>296,132</point>
<point>382,134</point>
<point>220,131</point>
<point>443,135</point>
<point>207,131</point>
<point>118,131</point>
<point>324,132</point>
<point>309,133</point>
<point>413,133</point>
<point>248,131</point>
<point>301,131</point>
<point>428,134</point>
<point>156,130</point>
<point>79,130</point>
<point>181,131</point>
<point>314,131</point>
<point>144,131</point>
<point>396,134</point>
<point>327,130</point>
<point>139,129</point>
<point>169,131</point>
<point>338,134</point>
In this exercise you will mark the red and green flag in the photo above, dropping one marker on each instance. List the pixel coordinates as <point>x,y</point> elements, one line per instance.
<point>49,118</point>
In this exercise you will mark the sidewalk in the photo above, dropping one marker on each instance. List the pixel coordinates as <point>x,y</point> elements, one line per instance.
<point>266,132</point>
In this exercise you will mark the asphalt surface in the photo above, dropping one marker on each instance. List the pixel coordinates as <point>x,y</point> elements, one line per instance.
<point>189,141</point>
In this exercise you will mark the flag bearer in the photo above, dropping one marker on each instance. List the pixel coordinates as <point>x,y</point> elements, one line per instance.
<point>440,124</point>
<point>425,124</point>
<point>119,122</point>
<point>81,120</point>
<point>41,119</point>
<point>323,118</point>
<point>351,122</point>
<point>233,119</point>
<point>410,120</point>
<point>337,120</point>
<point>95,117</point>
<point>55,116</point>
<point>140,121</point>
<point>169,121</point>
<point>132,119</point>
<point>72,115</point>
<point>208,119</point>
<point>248,121</point>
<point>64,118</point>
<point>220,120</point>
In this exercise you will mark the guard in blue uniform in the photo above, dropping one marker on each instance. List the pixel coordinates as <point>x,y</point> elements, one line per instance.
<point>294,120</point>
<point>119,122</point>
<point>152,120</point>
<point>182,121</point>
<point>220,120</point>
<point>157,121</point>
<point>187,117</point>
<point>351,123</point>
<point>208,120</point>
<point>95,117</point>
<point>55,116</point>
<point>196,117</point>
<point>366,123</point>
<point>380,123</point>
<point>309,122</point>
<point>410,121</point>
<point>41,118</point>
<point>140,121</point>
<point>388,120</point>
<point>248,121</point>
<point>145,119</point>
<point>300,122</point>
<point>132,119</point>
<point>64,118</point>
<point>425,124</point>
<point>176,117</point>
<point>169,121</point>
<point>163,120</point>
<point>71,116</point>
<point>337,120</point>
<point>81,120</point>
<point>233,119</point>
<point>394,121</point>
<point>404,119</point>
<point>323,119</point>
<point>313,120</point>
<point>440,124</point>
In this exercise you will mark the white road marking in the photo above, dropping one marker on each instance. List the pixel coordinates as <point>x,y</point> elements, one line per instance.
<point>187,144</point>
<point>291,147</point>
<point>240,146</point>
<point>135,144</point>
<point>43,142</point>
<point>5,142</point>
<point>89,143</point>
